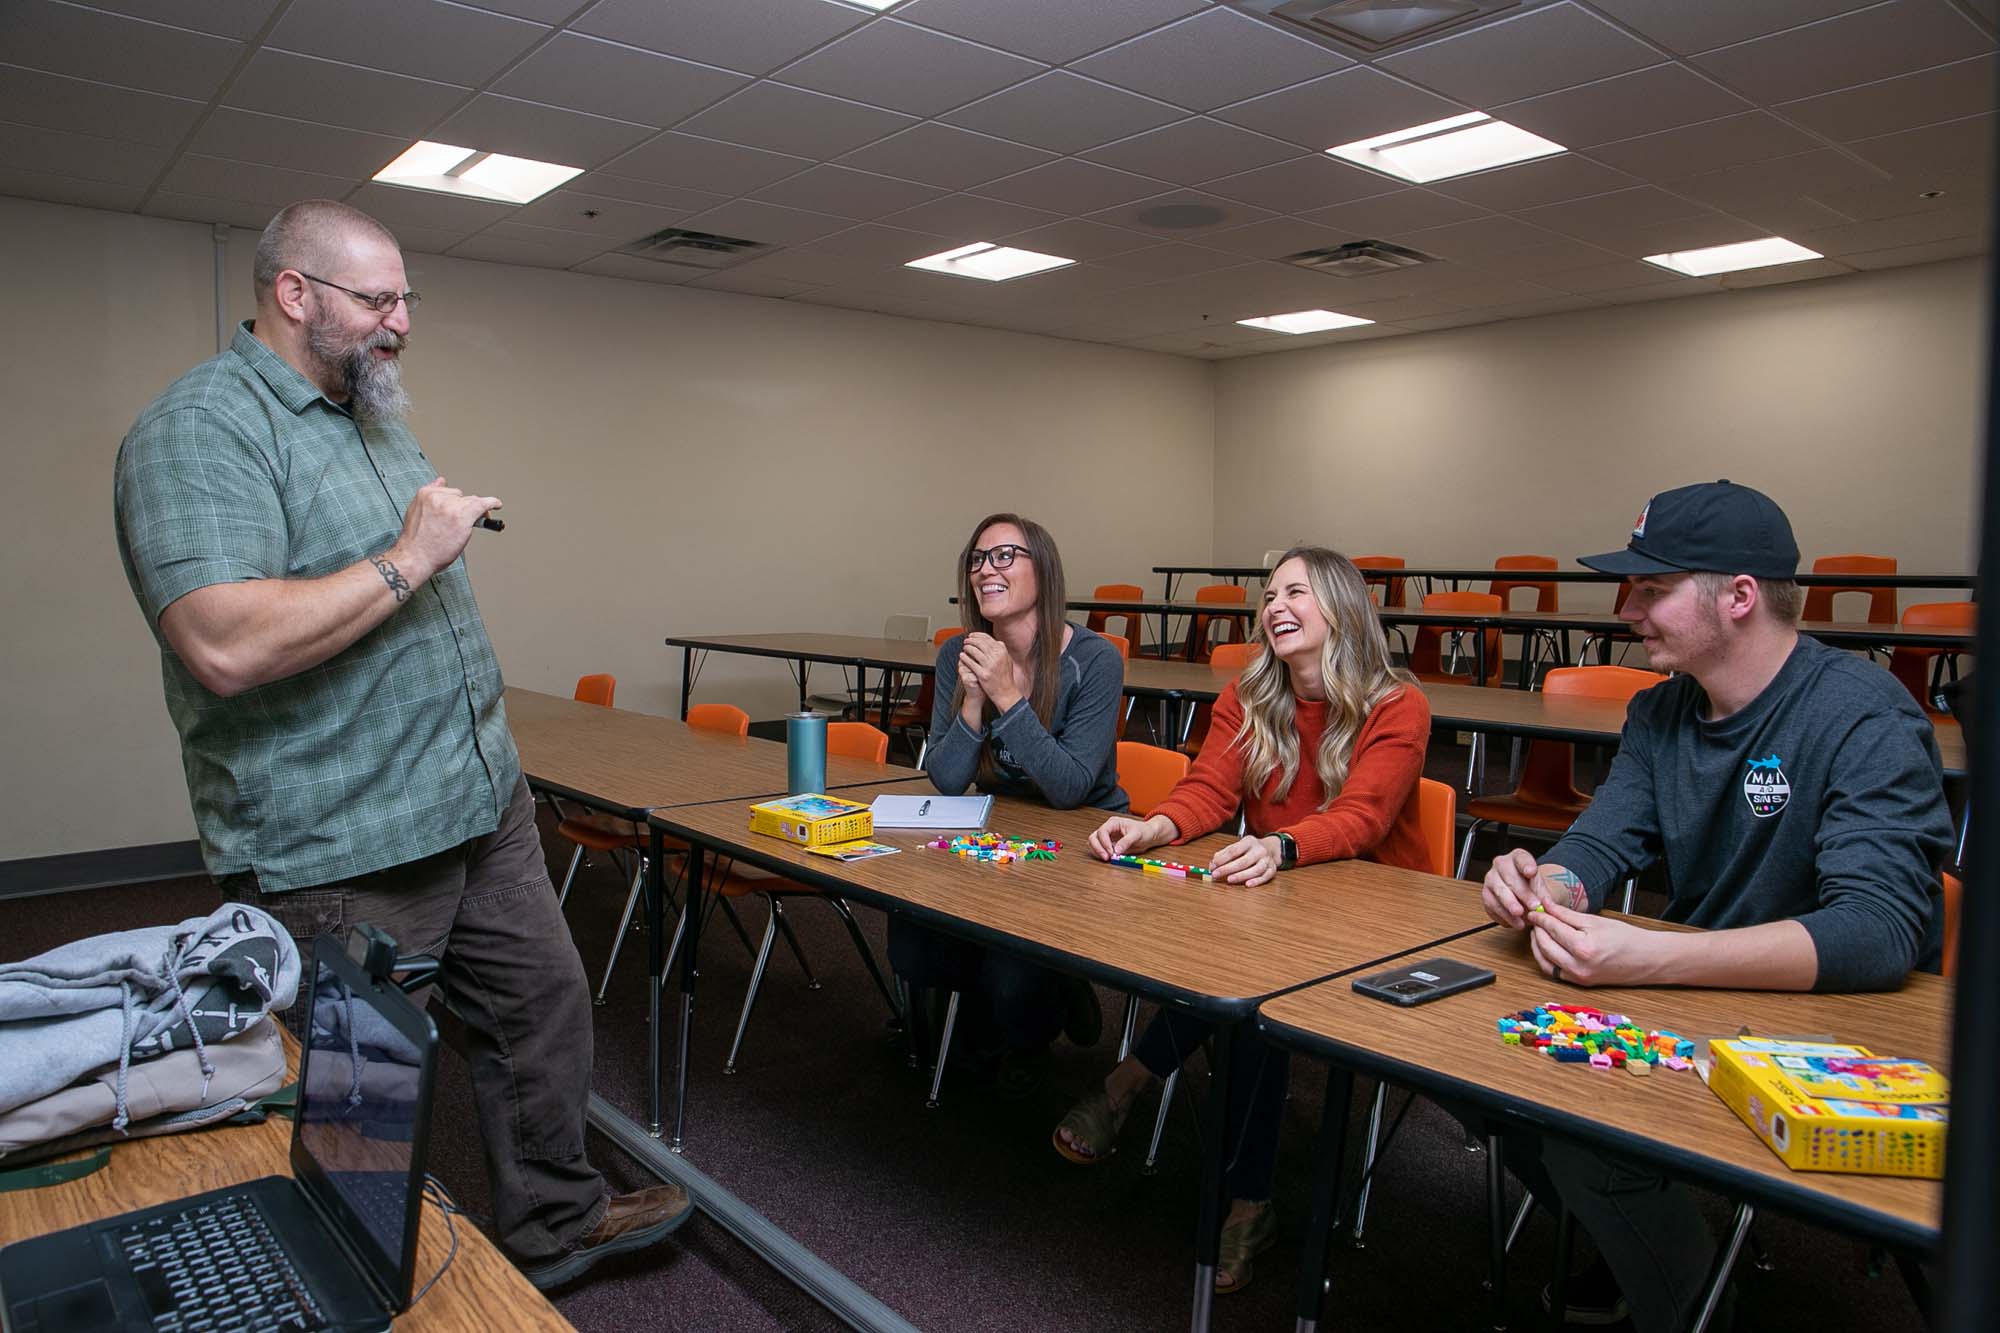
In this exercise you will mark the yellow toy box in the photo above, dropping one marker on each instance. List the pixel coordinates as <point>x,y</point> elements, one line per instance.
<point>813,820</point>
<point>1827,1107</point>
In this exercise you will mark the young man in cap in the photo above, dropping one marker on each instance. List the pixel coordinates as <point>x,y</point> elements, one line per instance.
<point>1796,794</point>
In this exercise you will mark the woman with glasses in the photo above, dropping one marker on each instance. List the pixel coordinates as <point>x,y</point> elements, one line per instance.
<point>1026,706</point>
<point>1321,743</point>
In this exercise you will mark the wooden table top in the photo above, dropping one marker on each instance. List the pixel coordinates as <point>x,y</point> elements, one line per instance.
<point>1217,948</point>
<point>1451,1048</point>
<point>481,1292</point>
<point>629,763</point>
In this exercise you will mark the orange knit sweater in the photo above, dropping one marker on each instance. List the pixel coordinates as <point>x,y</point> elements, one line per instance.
<point>1375,816</point>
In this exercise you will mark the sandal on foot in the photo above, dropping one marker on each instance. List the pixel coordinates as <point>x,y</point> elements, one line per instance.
<point>1094,1124</point>
<point>1242,1242</point>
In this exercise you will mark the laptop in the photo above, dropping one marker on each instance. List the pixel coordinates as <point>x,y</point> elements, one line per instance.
<point>333,1246</point>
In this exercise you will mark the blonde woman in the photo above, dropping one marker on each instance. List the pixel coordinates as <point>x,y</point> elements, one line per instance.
<point>1321,742</point>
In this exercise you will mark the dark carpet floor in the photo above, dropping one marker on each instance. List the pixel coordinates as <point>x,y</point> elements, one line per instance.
<point>963,1218</point>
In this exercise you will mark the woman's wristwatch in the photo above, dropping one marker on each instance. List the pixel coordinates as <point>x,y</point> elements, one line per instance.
<point>1288,850</point>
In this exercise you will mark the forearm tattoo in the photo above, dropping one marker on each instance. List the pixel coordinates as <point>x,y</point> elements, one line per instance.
<point>392,576</point>
<point>1579,897</point>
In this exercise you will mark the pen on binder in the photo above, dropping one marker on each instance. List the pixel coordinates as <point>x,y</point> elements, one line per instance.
<point>923,809</point>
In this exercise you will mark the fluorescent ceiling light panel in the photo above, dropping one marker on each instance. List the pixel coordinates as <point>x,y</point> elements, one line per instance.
<point>877,5</point>
<point>1715,259</point>
<point>445,169</point>
<point>1455,146</point>
<point>1305,321</point>
<point>989,262</point>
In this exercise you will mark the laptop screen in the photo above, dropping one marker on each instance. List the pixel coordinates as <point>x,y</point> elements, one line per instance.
<point>363,1113</point>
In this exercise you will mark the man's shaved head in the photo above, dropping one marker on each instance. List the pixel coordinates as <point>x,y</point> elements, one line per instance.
<point>312,237</point>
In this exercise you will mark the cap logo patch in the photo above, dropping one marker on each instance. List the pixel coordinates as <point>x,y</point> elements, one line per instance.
<point>1639,528</point>
<point>1766,787</point>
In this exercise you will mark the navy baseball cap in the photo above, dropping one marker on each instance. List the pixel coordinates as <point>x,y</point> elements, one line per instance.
<point>1715,527</point>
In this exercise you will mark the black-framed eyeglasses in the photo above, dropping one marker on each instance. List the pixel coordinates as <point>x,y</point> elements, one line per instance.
<point>381,302</point>
<point>1001,557</point>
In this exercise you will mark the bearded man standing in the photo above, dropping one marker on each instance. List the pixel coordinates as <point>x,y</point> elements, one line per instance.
<point>346,747</point>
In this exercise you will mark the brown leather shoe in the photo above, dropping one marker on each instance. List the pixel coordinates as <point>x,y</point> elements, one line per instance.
<point>630,1222</point>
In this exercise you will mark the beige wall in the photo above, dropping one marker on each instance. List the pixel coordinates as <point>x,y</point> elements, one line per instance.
<point>672,461</point>
<point>1856,402</point>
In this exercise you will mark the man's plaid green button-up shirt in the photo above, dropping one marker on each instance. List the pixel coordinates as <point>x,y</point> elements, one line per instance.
<point>394,748</point>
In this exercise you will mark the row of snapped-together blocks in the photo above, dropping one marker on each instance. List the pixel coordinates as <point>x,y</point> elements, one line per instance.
<point>1578,1034</point>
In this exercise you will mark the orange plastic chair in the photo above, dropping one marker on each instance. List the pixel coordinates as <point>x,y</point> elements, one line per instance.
<point>1148,773</point>
<point>1547,797</point>
<point>1229,594</point>
<point>1881,601</point>
<point>1228,659</point>
<point>1954,893</point>
<point>916,714</point>
<point>1426,652</point>
<point>852,740</point>
<point>1545,601</point>
<point>597,833</point>
<point>598,689</point>
<point>1129,620</point>
<point>1124,647</point>
<point>1437,817</point>
<point>1394,585</point>
<point>1912,666</point>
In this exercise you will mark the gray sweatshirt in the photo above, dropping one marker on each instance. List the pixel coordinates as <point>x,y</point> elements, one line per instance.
<point>1822,801</point>
<point>1069,763</point>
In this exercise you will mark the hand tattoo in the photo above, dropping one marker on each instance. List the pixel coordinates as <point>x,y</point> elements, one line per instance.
<point>392,576</point>
<point>1579,897</point>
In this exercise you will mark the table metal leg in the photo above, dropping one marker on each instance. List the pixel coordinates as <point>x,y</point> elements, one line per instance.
<point>1329,1151</point>
<point>655,897</point>
<point>1725,1263</point>
<point>1214,1176</point>
<point>690,946</point>
<point>687,686</point>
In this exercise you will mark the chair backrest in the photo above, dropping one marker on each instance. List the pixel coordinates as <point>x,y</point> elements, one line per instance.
<point>857,740</point>
<point>1545,591</point>
<point>1232,657</point>
<point>1599,682</point>
<point>598,689</point>
<point>1426,653</point>
<point>948,632</point>
<point>913,628</point>
<point>1121,643</point>
<point>1912,665</point>
<point>1364,563</point>
<point>1954,893</point>
<point>1148,773</point>
<point>1881,601</point>
<point>1548,771</point>
<point>1223,594</point>
<point>1128,620</point>
<point>727,718</point>
<point>1274,555</point>
<point>920,707</point>
<point>1437,818</point>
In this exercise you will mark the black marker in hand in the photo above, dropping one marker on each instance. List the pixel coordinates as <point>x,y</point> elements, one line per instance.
<point>490,523</point>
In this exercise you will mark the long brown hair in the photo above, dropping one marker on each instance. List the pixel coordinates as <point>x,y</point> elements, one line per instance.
<point>1049,598</point>
<point>1354,667</point>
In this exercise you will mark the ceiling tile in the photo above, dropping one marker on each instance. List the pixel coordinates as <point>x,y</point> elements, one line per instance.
<point>1053,30</point>
<point>545,133</point>
<point>1688,26</point>
<point>419,241</point>
<point>751,284</point>
<point>639,270</point>
<point>53,102</point>
<point>83,156</point>
<point>249,183</point>
<point>705,164</point>
<point>1501,291</point>
<point>427,39</point>
<point>847,193</point>
<point>967,217</point>
<point>1215,58</point>
<point>1171,260</point>
<point>200,208</point>
<point>91,44</point>
<point>765,222</point>
<point>1273,238</point>
<point>1556,255</point>
<point>1476,240</point>
<point>1181,215</point>
<point>945,156</point>
<point>540,11</point>
<point>1398,211</point>
<point>398,209</point>
<point>240,19</point>
<point>792,120</point>
<point>1077,239</point>
<point>305,88</point>
<point>1696,232</point>
<point>1189,152</point>
<point>1313,181</point>
<point>1779,274</point>
<point>1910,229</point>
<point>1619,275</point>
<point>616,222</point>
<point>1623,107</point>
<point>1397,309</point>
<point>907,69</point>
<point>623,82</point>
<point>1556,46</point>
<point>808,265</point>
<point>1874,43</point>
<point>1788,215</point>
<point>1820,172</point>
<point>1071,186</point>
<point>755,36</point>
<point>534,247</point>
<point>1340,108</point>
<point>1957,146</point>
<point>1891,197</point>
<point>1897,256</point>
<point>278,141</point>
<point>876,244</point>
<point>676,197</point>
<point>1728,142</point>
<point>66,190</point>
<point>1605,215</point>
<point>1548,180</point>
<point>1944,92</point>
<point>1064,113</point>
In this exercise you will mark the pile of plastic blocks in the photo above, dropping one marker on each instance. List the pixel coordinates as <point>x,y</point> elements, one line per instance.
<point>1578,1034</point>
<point>993,847</point>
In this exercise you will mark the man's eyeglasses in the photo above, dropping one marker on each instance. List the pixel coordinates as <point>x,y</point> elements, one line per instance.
<point>381,302</point>
<point>1000,557</point>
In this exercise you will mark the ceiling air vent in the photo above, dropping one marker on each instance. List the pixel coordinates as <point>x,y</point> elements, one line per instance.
<point>1377,25</point>
<point>695,249</point>
<point>1358,259</point>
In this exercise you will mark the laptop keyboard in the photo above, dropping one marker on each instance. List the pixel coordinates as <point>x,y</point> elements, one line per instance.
<point>216,1268</point>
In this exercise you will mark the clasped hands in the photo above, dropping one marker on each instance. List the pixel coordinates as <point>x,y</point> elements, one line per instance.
<point>1569,942</point>
<point>987,673</point>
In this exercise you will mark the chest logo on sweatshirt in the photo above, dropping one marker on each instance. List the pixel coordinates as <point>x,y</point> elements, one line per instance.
<point>1766,787</point>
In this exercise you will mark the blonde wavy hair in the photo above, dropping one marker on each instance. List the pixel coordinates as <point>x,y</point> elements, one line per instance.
<point>1354,665</point>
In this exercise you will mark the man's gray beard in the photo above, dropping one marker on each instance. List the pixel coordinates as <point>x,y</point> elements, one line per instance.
<point>374,386</point>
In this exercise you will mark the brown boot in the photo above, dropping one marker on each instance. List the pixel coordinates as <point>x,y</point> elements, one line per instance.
<point>630,1222</point>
